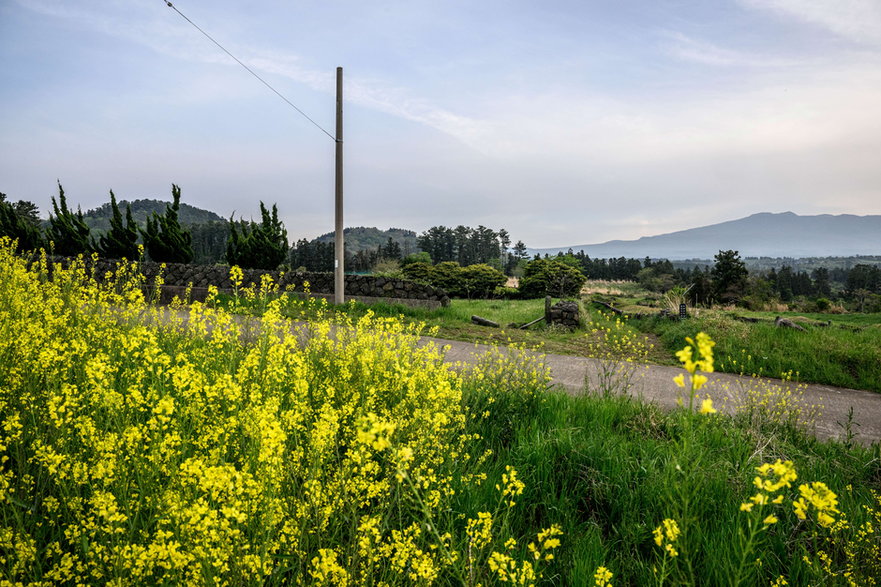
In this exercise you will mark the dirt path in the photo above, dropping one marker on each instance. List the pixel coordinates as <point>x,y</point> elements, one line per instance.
<point>655,383</point>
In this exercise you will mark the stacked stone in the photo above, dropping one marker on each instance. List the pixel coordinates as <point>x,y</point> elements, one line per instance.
<point>565,313</point>
<point>178,276</point>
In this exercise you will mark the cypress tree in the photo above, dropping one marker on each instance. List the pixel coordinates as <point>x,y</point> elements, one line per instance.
<point>164,239</point>
<point>121,240</point>
<point>68,231</point>
<point>258,246</point>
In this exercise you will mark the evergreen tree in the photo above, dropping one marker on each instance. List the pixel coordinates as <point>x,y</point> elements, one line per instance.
<point>164,239</point>
<point>821,283</point>
<point>258,246</point>
<point>729,276</point>
<point>18,226</point>
<point>68,232</point>
<point>121,240</point>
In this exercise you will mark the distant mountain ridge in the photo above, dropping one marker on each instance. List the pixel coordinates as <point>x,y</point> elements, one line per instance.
<point>761,235</point>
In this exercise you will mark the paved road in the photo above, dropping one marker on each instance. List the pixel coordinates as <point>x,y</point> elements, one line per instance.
<point>655,383</point>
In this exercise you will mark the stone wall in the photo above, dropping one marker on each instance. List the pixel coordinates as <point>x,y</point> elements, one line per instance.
<point>564,313</point>
<point>177,276</point>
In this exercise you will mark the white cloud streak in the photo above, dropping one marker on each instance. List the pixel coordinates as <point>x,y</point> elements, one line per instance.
<point>686,48</point>
<point>181,40</point>
<point>856,20</point>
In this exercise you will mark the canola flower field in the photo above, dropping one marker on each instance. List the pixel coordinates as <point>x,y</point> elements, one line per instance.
<point>138,447</point>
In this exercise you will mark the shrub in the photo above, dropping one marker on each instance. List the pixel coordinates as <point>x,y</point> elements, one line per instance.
<point>447,276</point>
<point>547,277</point>
<point>506,293</point>
<point>420,257</point>
<point>481,280</point>
<point>418,271</point>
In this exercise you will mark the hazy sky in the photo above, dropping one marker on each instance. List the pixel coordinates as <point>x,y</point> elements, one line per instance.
<point>565,122</point>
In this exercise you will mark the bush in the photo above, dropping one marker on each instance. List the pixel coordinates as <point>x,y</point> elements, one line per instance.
<point>480,280</point>
<point>447,276</point>
<point>547,277</point>
<point>420,272</point>
<point>473,281</point>
<point>506,293</point>
<point>420,257</point>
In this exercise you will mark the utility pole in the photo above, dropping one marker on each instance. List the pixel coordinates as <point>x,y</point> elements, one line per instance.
<point>339,275</point>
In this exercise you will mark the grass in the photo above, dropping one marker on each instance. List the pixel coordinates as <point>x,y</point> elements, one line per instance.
<point>847,354</point>
<point>837,356</point>
<point>171,451</point>
<point>608,467</point>
<point>454,323</point>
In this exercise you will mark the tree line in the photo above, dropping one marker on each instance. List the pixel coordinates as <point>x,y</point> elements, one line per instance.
<point>163,239</point>
<point>440,249</point>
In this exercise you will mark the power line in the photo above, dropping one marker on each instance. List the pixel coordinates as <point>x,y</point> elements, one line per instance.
<point>249,70</point>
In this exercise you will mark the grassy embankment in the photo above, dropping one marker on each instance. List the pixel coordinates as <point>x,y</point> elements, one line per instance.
<point>167,452</point>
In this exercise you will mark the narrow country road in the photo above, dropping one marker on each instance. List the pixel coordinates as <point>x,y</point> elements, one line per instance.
<point>655,383</point>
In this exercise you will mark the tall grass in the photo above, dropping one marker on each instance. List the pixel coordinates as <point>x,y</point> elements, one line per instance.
<point>831,355</point>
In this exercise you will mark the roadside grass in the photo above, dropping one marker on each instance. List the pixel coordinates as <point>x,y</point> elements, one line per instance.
<point>610,470</point>
<point>856,319</point>
<point>843,357</point>
<point>454,322</point>
<point>172,451</point>
<point>846,354</point>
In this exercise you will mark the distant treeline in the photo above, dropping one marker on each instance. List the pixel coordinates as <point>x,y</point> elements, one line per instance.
<point>182,233</point>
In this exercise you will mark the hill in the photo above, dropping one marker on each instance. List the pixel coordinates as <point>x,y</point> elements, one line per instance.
<point>760,235</point>
<point>98,218</point>
<point>362,238</point>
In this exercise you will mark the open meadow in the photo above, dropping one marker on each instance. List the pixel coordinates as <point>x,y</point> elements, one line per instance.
<point>141,448</point>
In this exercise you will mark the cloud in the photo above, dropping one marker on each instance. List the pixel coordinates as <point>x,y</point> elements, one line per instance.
<point>180,40</point>
<point>687,48</point>
<point>856,20</point>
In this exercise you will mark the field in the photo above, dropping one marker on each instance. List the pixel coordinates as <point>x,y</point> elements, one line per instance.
<point>142,448</point>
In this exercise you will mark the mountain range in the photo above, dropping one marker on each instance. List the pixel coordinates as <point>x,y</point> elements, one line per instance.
<point>761,235</point>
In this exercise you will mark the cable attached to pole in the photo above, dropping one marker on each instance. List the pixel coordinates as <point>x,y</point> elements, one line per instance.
<point>249,70</point>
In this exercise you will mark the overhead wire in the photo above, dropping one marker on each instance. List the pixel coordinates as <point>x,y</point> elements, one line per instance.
<point>249,70</point>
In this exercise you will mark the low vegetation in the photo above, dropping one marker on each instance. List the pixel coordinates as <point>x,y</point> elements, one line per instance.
<point>141,447</point>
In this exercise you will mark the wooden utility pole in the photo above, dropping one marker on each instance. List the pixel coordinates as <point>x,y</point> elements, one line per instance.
<point>339,274</point>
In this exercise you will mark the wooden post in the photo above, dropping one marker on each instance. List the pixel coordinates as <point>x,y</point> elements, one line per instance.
<point>339,274</point>
<point>548,301</point>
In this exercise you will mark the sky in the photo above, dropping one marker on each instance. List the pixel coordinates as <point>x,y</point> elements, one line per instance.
<point>563,122</point>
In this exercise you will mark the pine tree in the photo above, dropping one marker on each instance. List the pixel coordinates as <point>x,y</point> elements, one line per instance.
<point>121,240</point>
<point>258,246</point>
<point>18,226</point>
<point>164,239</point>
<point>68,232</point>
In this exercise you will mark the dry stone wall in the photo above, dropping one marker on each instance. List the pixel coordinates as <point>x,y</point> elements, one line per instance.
<point>564,313</point>
<point>178,276</point>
